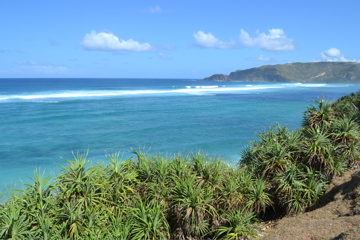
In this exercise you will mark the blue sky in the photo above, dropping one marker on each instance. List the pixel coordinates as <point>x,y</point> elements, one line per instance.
<point>171,39</point>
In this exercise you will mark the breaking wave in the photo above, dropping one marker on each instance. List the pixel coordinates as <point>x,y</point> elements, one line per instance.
<point>52,96</point>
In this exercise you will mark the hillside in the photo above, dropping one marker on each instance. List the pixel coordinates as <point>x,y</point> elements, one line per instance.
<point>335,217</point>
<point>331,72</point>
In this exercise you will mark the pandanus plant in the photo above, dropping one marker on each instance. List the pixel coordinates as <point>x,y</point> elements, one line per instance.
<point>257,197</point>
<point>14,223</point>
<point>40,203</point>
<point>149,222</point>
<point>346,135</point>
<point>193,208</point>
<point>121,180</point>
<point>317,148</point>
<point>299,187</point>
<point>240,224</point>
<point>321,113</point>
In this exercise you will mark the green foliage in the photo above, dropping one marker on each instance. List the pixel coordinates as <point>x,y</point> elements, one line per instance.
<point>193,206</point>
<point>14,224</point>
<point>149,222</point>
<point>319,114</point>
<point>257,197</point>
<point>297,165</point>
<point>147,197</point>
<point>239,225</point>
<point>299,188</point>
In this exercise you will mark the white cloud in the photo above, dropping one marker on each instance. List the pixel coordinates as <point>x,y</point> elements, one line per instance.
<point>334,55</point>
<point>155,9</point>
<point>276,40</point>
<point>331,53</point>
<point>207,40</point>
<point>104,41</point>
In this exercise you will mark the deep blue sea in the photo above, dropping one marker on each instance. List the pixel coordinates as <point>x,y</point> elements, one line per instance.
<point>45,120</point>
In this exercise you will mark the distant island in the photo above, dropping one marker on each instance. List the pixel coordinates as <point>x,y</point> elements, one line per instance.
<point>330,72</point>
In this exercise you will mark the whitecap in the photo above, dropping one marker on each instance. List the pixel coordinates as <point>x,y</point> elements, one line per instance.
<point>305,84</point>
<point>313,85</point>
<point>214,86</point>
<point>42,96</point>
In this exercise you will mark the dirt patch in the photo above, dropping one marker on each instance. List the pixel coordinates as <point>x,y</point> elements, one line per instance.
<point>320,75</point>
<point>337,216</point>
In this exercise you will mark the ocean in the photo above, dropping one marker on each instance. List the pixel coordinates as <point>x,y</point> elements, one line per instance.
<point>43,121</point>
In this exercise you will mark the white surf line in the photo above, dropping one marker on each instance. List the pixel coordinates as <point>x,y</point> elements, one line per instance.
<point>223,89</point>
<point>135,92</point>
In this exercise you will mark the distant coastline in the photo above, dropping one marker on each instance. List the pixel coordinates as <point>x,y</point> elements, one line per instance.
<point>319,72</point>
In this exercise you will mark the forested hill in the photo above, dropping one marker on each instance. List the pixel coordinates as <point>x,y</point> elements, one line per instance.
<point>331,72</point>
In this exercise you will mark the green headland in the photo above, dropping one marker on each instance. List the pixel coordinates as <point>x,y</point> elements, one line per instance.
<point>329,72</point>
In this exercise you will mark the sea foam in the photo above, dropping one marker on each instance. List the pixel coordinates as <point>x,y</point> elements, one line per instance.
<point>192,90</point>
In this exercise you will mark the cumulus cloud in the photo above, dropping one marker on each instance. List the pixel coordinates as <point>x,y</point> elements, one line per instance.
<point>208,40</point>
<point>104,41</point>
<point>334,55</point>
<point>276,40</point>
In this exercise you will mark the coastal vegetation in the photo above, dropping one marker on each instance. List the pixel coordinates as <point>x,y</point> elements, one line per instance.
<point>330,72</point>
<point>190,196</point>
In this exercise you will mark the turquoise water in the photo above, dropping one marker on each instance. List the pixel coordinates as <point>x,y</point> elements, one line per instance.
<point>44,120</point>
